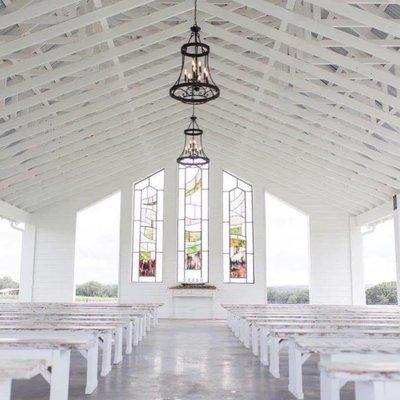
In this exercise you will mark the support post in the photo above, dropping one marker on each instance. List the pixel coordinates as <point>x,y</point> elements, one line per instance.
<point>27,263</point>
<point>356,263</point>
<point>396,217</point>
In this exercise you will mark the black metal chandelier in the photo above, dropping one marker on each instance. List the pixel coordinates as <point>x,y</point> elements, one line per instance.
<point>195,84</point>
<point>193,153</point>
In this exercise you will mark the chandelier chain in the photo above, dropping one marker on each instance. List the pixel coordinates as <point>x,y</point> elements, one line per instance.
<point>195,12</point>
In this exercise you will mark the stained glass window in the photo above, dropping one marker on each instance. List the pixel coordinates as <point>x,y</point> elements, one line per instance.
<point>148,229</point>
<point>238,253</point>
<point>193,224</point>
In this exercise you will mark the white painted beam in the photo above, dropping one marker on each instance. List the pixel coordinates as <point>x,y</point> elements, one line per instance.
<point>13,213</point>
<point>387,25</point>
<point>327,31</point>
<point>95,39</point>
<point>305,45</point>
<point>17,16</point>
<point>81,21</point>
<point>396,217</point>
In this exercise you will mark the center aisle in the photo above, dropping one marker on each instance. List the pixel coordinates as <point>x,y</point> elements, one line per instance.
<point>184,360</point>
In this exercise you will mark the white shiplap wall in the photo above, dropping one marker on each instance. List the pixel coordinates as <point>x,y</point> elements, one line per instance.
<point>330,260</point>
<point>53,278</point>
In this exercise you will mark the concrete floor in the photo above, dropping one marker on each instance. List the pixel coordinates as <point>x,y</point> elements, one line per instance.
<point>184,360</point>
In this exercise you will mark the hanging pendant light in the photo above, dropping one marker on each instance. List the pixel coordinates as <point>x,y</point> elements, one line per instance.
<point>195,84</point>
<point>193,153</point>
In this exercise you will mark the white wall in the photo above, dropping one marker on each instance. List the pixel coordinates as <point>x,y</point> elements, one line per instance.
<point>53,278</point>
<point>333,265</point>
<point>334,257</point>
<point>159,292</point>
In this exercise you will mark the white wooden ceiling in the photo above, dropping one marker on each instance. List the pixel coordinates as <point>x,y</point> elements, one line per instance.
<point>309,94</point>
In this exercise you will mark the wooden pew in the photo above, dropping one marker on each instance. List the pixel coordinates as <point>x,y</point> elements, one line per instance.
<point>373,380</point>
<point>18,369</point>
<point>269,328</point>
<point>336,353</point>
<point>56,353</point>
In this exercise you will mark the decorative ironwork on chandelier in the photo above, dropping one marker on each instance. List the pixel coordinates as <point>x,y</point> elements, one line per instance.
<point>195,84</point>
<point>193,153</point>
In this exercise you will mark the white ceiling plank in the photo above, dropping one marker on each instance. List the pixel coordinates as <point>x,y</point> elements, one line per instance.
<point>63,192</point>
<point>53,169</point>
<point>115,156</point>
<point>334,126</point>
<point>305,45</point>
<point>266,175</point>
<point>68,26</point>
<point>83,117</point>
<point>72,156</point>
<point>318,156</point>
<point>307,153</point>
<point>325,92</point>
<point>22,14</point>
<point>94,89</point>
<point>96,59</point>
<point>375,214</point>
<point>280,170</point>
<point>352,103</point>
<point>327,31</point>
<point>312,174</point>
<point>356,14</point>
<point>13,213</point>
<point>296,152</point>
<point>323,153</point>
<point>95,39</point>
<point>11,169</point>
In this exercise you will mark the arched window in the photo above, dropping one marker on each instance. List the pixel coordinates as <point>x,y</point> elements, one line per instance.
<point>193,224</point>
<point>238,258</point>
<point>148,229</point>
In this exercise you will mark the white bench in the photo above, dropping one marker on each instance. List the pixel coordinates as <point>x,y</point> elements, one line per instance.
<point>56,353</point>
<point>18,369</point>
<point>339,349</point>
<point>373,380</point>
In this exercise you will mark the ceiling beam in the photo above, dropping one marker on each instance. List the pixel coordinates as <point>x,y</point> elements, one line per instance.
<point>357,14</point>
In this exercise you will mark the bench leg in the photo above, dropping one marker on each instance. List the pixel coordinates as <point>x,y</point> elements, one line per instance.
<point>274,357</point>
<point>141,329</point>
<point>391,390</point>
<point>92,365</point>
<point>241,330</point>
<point>330,387</point>
<point>367,390</point>
<point>129,338</point>
<point>148,322</point>
<point>295,371</point>
<point>254,339</point>
<point>155,317</point>
<point>236,326</point>
<point>5,390</point>
<point>246,332</point>
<point>264,355</point>
<point>136,332</point>
<point>107,351</point>
<point>118,345</point>
<point>59,380</point>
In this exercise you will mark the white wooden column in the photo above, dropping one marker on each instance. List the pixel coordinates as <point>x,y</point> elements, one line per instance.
<point>27,263</point>
<point>259,222</point>
<point>125,242</point>
<point>216,270</point>
<point>171,205</point>
<point>356,263</point>
<point>54,255</point>
<point>396,217</point>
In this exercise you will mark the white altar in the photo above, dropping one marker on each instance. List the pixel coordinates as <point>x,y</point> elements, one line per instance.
<point>192,303</point>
